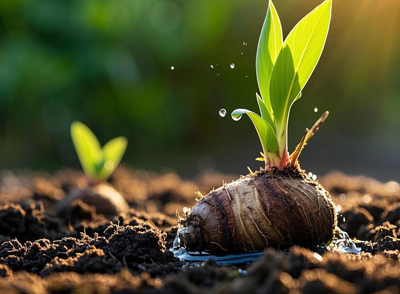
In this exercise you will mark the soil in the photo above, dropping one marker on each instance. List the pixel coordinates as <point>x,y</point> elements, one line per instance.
<point>83,251</point>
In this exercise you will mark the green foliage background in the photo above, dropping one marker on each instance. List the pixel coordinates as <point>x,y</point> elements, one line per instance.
<point>108,64</point>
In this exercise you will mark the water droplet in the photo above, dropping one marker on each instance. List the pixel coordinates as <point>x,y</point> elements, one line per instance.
<point>315,109</point>
<point>222,112</point>
<point>237,117</point>
<point>172,67</point>
<point>232,65</point>
<point>246,76</point>
<point>244,44</point>
<point>212,66</point>
<point>300,94</point>
<point>241,53</point>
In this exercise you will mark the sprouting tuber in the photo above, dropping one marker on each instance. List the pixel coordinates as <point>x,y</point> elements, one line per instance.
<point>98,163</point>
<point>279,205</point>
<point>277,209</point>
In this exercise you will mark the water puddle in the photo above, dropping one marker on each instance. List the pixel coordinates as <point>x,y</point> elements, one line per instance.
<point>341,243</point>
<point>197,257</point>
<point>227,260</point>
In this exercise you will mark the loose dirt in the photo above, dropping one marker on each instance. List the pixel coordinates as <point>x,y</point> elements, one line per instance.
<point>83,251</point>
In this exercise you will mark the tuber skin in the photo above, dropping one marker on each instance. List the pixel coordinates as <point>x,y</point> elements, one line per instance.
<point>269,208</point>
<point>101,195</point>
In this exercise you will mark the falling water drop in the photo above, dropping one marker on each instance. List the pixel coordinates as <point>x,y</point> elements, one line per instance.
<point>232,65</point>
<point>172,67</point>
<point>222,112</point>
<point>212,66</point>
<point>244,44</point>
<point>315,109</point>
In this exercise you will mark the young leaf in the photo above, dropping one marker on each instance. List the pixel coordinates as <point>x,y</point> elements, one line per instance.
<point>87,147</point>
<point>97,162</point>
<point>269,46</point>
<point>264,130</point>
<point>112,153</point>
<point>264,112</point>
<point>297,60</point>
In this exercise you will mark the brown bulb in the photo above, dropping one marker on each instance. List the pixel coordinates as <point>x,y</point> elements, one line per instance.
<point>276,209</point>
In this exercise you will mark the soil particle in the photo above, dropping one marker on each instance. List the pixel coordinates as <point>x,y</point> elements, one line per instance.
<point>391,213</point>
<point>5,271</point>
<point>122,282</point>
<point>380,232</point>
<point>47,191</point>
<point>28,221</point>
<point>320,281</point>
<point>206,278</point>
<point>12,220</point>
<point>79,211</point>
<point>138,244</point>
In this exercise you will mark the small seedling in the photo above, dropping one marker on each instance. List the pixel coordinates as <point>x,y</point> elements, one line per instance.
<point>97,163</point>
<point>283,69</point>
<point>279,206</point>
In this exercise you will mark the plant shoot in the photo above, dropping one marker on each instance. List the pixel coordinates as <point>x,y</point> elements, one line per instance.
<point>283,69</point>
<point>97,163</point>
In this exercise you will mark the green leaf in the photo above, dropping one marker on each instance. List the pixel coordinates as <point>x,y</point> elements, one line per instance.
<point>112,153</point>
<point>264,112</point>
<point>87,147</point>
<point>264,130</point>
<point>98,163</point>
<point>269,46</point>
<point>297,60</point>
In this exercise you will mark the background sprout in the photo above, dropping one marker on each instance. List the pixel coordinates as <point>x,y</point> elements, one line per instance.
<point>283,69</point>
<point>97,163</point>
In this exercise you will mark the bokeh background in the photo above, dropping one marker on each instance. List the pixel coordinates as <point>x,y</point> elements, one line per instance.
<point>159,71</point>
